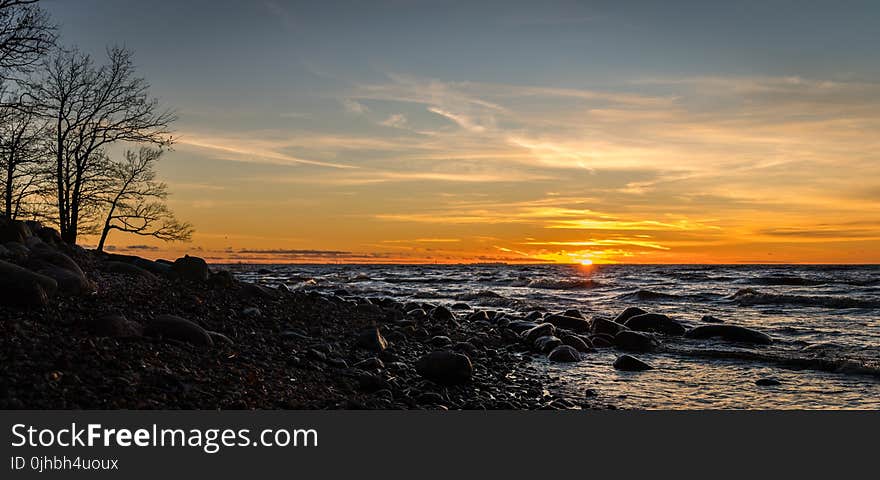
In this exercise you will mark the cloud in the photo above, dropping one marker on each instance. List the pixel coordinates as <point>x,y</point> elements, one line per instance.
<point>353,106</point>
<point>397,120</point>
<point>252,150</point>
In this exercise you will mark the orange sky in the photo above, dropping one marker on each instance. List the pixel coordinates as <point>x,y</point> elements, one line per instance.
<point>554,133</point>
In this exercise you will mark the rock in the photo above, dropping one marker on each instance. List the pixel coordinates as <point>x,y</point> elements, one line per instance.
<point>655,322</point>
<point>129,269</point>
<point>533,316</point>
<point>13,231</point>
<point>193,269</point>
<point>441,341</point>
<point>541,330</point>
<point>628,313</point>
<point>467,348</point>
<point>222,279</point>
<point>442,314</point>
<point>546,343</point>
<point>767,382</point>
<point>252,312</point>
<point>220,339</point>
<point>371,363</point>
<point>50,236</point>
<point>601,325</point>
<point>430,398</point>
<point>114,325</point>
<point>337,362</point>
<point>36,243</point>
<point>445,367</point>
<point>177,328</point>
<point>629,363</point>
<point>372,340</point>
<point>573,312</point>
<point>23,288</point>
<point>520,326</point>
<point>71,279</point>
<point>731,333</point>
<point>417,314</point>
<point>578,343</point>
<point>711,319</point>
<point>479,315</point>
<point>634,341</point>
<point>569,323</point>
<point>17,251</point>
<point>564,353</point>
<point>461,306</point>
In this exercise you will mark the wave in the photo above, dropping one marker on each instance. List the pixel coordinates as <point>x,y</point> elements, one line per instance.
<point>480,295</point>
<point>785,280</point>
<point>648,296</point>
<point>488,298</point>
<point>750,296</point>
<point>565,284</point>
<point>832,364</point>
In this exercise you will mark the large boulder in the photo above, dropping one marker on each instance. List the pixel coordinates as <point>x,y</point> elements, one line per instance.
<point>193,269</point>
<point>71,279</point>
<point>630,341</point>
<point>17,251</point>
<point>602,325</point>
<point>580,344</point>
<point>628,313</point>
<point>541,330</point>
<point>731,333</point>
<point>23,288</point>
<point>13,231</point>
<point>445,367</point>
<point>564,353</point>
<point>628,363</point>
<point>546,343</point>
<point>177,328</point>
<point>655,322</point>
<point>567,322</point>
<point>50,236</point>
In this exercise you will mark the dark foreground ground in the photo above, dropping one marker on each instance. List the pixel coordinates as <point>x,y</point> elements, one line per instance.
<point>85,330</point>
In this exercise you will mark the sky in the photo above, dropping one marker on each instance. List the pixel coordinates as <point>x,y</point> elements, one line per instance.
<point>445,131</point>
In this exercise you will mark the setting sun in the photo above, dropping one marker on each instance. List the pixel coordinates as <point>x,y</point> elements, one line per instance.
<point>586,261</point>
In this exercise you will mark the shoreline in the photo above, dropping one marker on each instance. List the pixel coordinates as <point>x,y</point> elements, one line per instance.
<point>104,341</point>
<point>107,331</point>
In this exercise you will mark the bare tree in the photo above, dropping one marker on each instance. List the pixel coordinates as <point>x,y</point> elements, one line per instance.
<point>26,34</point>
<point>22,136</point>
<point>136,201</point>
<point>91,108</point>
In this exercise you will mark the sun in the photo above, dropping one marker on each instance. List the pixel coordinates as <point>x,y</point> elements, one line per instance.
<point>586,261</point>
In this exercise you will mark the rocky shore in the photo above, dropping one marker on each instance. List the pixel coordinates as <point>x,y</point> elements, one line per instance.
<point>82,329</point>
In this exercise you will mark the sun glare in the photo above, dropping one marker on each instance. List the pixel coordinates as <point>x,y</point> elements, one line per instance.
<point>586,261</point>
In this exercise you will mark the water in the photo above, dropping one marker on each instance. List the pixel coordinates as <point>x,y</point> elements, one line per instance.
<point>825,321</point>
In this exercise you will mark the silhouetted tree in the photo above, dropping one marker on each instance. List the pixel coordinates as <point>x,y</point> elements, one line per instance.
<point>26,34</point>
<point>89,108</point>
<point>22,161</point>
<point>136,201</point>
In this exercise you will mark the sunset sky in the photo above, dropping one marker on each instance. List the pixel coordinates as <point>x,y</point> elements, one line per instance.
<point>422,131</point>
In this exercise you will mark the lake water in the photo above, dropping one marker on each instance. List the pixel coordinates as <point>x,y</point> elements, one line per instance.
<point>825,321</point>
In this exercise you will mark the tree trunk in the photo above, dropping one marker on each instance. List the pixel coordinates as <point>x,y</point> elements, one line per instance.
<point>7,200</point>
<point>59,177</point>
